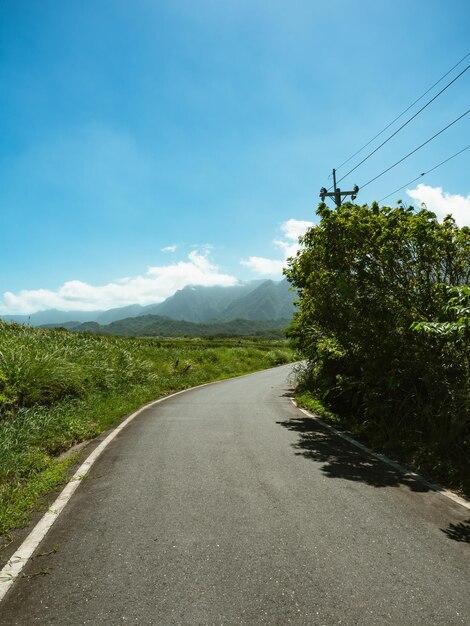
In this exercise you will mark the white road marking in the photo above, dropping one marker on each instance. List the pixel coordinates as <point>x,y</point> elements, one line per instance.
<point>381,457</point>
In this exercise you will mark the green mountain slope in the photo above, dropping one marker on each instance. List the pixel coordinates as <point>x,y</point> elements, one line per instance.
<point>198,303</point>
<point>269,301</point>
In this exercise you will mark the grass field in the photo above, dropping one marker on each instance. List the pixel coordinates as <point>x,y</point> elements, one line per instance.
<point>59,388</point>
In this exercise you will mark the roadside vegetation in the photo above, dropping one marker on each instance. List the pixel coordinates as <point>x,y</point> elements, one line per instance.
<point>384,326</point>
<point>59,388</point>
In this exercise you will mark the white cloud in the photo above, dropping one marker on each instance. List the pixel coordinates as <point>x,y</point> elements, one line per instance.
<point>292,229</point>
<point>264,266</point>
<point>155,285</point>
<point>442,203</point>
<point>168,249</point>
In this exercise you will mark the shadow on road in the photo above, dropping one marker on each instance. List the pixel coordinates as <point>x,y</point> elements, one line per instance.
<point>459,532</point>
<point>342,460</point>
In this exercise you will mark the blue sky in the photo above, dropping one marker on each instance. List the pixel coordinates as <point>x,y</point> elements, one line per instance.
<point>146,144</point>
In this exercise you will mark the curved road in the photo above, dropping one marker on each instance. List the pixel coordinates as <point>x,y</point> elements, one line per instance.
<point>226,505</point>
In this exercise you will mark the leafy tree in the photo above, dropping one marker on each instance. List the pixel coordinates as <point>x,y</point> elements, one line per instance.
<point>367,277</point>
<point>458,310</point>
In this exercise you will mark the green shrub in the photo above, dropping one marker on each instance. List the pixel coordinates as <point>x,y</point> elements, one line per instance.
<point>382,323</point>
<point>277,357</point>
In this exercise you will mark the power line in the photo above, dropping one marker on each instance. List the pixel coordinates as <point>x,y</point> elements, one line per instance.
<point>405,124</point>
<point>424,173</point>
<point>416,149</point>
<point>403,112</point>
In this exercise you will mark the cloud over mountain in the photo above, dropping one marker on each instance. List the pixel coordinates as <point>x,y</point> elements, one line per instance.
<point>156,284</point>
<point>291,229</point>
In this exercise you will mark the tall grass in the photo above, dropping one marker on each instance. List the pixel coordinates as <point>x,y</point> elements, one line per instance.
<point>59,388</point>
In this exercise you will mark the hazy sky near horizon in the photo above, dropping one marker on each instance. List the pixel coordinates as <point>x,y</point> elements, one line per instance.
<point>146,145</point>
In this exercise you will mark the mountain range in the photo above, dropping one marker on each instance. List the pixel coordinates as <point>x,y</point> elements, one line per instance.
<point>264,300</point>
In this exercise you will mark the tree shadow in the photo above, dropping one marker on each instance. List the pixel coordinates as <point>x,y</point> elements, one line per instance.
<point>343,460</point>
<point>458,532</point>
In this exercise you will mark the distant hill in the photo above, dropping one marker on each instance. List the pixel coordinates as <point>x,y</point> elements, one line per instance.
<point>257,300</point>
<point>106,317</point>
<point>53,317</point>
<point>158,326</point>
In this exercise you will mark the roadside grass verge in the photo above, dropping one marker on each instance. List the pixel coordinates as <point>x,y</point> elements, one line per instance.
<point>59,388</point>
<point>307,401</point>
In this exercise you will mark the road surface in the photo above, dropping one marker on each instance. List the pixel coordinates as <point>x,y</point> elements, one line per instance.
<point>227,505</point>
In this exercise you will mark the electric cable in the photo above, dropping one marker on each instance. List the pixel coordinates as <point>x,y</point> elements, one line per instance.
<point>405,124</point>
<point>403,112</point>
<point>424,173</point>
<point>415,150</point>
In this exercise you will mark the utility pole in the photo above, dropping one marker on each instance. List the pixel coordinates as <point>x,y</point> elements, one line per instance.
<point>337,194</point>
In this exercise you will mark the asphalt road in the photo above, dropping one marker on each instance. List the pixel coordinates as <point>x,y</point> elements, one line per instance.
<point>226,505</point>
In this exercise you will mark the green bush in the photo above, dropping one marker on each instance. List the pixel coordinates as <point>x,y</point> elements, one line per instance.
<point>381,322</point>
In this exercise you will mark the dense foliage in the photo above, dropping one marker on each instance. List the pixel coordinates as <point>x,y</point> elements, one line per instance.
<point>59,388</point>
<point>384,324</point>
